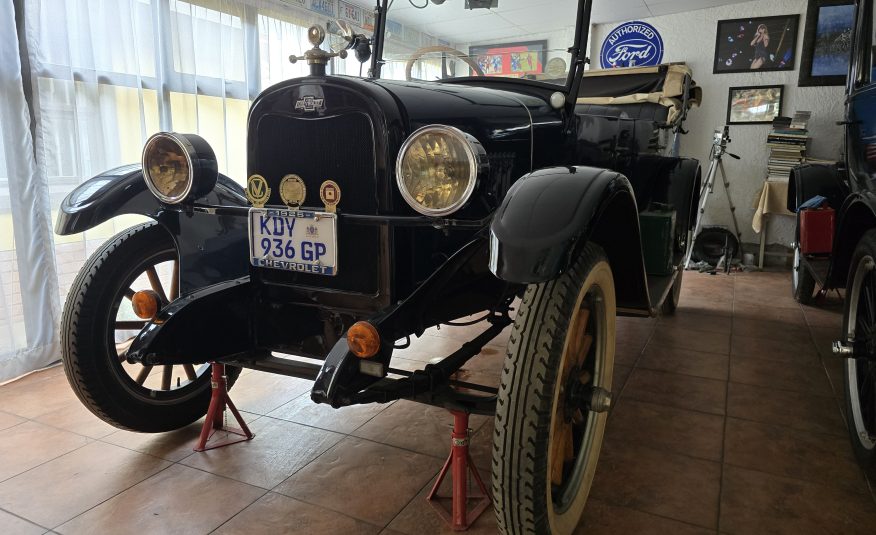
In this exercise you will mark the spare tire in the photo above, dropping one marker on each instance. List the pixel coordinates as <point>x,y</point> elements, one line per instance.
<point>710,243</point>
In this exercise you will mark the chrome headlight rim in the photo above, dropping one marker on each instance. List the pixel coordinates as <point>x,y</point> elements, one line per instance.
<point>188,150</point>
<point>473,150</point>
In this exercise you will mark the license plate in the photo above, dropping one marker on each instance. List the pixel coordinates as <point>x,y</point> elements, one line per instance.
<point>293,240</point>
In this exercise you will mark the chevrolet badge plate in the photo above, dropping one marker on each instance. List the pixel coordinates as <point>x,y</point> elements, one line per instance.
<point>293,240</point>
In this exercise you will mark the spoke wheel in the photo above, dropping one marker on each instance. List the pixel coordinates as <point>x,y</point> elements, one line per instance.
<point>553,398</point>
<point>98,327</point>
<point>860,370</point>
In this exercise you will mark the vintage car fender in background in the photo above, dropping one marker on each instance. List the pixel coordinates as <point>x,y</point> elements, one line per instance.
<point>212,248</point>
<point>549,214</point>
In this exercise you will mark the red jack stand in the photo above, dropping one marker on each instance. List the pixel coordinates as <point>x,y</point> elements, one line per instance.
<point>461,461</point>
<point>219,400</point>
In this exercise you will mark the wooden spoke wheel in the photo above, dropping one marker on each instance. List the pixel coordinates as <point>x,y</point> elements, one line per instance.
<point>99,325</point>
<point>553,399</point>
<point>860,370</point>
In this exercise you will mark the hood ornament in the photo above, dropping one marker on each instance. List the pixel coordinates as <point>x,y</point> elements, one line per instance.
<point>316,57</point>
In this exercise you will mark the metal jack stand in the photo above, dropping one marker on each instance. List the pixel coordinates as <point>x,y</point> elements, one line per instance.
<point>719,148</point>
<point>461,462</point>
<point>219,400</point>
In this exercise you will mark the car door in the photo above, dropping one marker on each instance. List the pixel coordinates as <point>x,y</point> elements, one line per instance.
<point>861,103</point>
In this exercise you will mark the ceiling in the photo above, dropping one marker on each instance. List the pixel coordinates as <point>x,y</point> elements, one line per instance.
<point>451,21</point>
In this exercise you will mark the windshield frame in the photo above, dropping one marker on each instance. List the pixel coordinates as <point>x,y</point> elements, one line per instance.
<point>578,50</point>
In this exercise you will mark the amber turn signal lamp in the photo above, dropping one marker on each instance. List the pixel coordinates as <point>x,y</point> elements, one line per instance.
<point>145,304</point>
<point>363,339</point>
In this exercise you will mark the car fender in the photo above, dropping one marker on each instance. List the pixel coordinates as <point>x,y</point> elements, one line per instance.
<point>808,180</point>
<point>548,215</point>
<point>856,216</point>
<point>212,248</point>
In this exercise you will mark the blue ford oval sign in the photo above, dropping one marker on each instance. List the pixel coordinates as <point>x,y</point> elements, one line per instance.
<point>632,44</point>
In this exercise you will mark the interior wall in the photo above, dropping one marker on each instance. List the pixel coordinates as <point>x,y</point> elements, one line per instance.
<point>690,37</point>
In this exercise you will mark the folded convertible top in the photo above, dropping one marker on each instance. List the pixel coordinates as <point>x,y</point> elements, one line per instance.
<point>661,84</point>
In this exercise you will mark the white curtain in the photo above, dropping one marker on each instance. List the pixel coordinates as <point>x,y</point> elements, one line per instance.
<point>29,307</point>
<point>106,74</point>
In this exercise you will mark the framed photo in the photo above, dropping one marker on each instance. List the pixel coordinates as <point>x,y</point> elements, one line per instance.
<point>511,59</point>
<point>756,44</point>
<point>827,42</point>
<point>758,104</point>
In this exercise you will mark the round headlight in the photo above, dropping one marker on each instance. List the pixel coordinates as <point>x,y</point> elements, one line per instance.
<point>179,167</point>
<point>437,169</point>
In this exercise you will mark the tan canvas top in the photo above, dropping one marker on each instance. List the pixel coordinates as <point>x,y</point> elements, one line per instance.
<point>671,95</point>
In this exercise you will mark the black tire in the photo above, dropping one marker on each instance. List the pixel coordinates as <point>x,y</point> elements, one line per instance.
<point>802,281</point>
<point>671,303</point>
<point>860,370</point>
<point>92,361</point>
<point>532,492</point>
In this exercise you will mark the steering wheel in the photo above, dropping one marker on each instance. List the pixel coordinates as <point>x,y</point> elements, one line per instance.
<point>440,48</point>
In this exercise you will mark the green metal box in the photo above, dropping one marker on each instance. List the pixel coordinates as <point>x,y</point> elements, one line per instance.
<point>657,227</point>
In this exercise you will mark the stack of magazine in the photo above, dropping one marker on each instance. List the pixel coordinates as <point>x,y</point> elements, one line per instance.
<point>787,143</point>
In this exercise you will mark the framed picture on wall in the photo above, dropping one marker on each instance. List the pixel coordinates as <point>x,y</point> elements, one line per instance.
<point>756,44</point>
<point>827,42</point>
<point>758,104</point>
<point>511,59</point>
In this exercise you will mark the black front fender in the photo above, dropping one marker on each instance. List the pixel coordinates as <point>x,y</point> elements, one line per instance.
<point>212,248</point>
<point>550,213</point>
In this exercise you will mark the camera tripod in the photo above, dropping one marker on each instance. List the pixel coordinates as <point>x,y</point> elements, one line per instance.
<point>719,148</point>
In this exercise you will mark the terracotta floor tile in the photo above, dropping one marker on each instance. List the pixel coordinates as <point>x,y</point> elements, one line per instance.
<point>798,410</point>
<point>695,433</point>
<point>755,502</point>
<point>772,330</point>
<point>419,517</point>
<point>816,457</point>
<point>343,420</point>
<point>626,353</point>
<point>279,449</point>
<point>178,499</point>
<point>274,513</point>
<point>800,351</point>
<point>262,392</point>
<point>601,518</point>
<point>14,525</point>
<point>31,399</point>
<point>58,490</point>
<point>836,369</point>
<point>621,374</point>
<point>39,375</point>
<point>685,361</point>
<point>30,444</point>
<point>481,448</point>
<point>781,375</point>
<point>427,348</point>
<point>414,426</point>
<point>692,304</point>
<point>467,332</point>
<point>335,479</point>
<point>764,312</point>
<point>634,331</point>
<point>172,446</point>
<point>8,420</point>
<point>683,319</point>
<point>674,390</point>
<point>77,418</point>
<point>824,317</point>
<point>663,483</point>
<point>759,298</point>
<point>709,342</point>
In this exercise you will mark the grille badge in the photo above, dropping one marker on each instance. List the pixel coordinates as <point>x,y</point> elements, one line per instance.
<point>310,103</point>
<point>292,190</point>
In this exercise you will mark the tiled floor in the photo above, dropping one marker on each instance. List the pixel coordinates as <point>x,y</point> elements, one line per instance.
<point>728,419</point>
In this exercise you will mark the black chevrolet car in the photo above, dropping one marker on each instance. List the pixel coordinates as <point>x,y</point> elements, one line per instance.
<point>514,187</point>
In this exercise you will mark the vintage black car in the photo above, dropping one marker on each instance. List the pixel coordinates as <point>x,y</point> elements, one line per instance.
<point>378,208</point>
<point>849,188</point>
